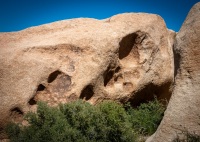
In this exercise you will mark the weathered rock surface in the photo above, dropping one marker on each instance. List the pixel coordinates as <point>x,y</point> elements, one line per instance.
<point>127,57</point>
<point>183,111</point>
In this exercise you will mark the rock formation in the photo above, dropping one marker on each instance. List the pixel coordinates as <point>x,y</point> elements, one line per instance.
<point>125,58</point>
<point>183,113</point>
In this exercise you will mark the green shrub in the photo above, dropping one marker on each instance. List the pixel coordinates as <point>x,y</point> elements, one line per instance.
<point>104,122</point>
<point>117,121</point>
<point>81,122</point>
<point>146,118</point>
<point>48,124</point>
<point>75,122</point>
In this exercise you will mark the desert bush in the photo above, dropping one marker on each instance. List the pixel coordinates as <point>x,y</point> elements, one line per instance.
<point>117,121</point>
<point>146,118</point>
<point>48,124</point>
<point>103,122</point>
<point>75,122</point>
<point>79,121</point>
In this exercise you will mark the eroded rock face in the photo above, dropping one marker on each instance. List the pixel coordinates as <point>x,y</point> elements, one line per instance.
<point>183,113</point>
<point>125,58</point>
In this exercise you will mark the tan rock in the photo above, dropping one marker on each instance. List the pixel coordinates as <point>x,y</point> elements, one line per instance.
<point>127,57</point>
<point>183,113</point>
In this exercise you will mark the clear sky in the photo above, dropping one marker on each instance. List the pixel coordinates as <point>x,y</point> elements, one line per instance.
<point>16,15</point>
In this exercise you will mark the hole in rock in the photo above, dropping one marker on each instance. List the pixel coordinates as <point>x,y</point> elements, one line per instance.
<point>126,45</point>
<point>53,76</point>
<point>108,76</point>
<point>41,87</point>
<point>61,85</point>
<point>16,111</point>
<point>32,101</point>
<point>151,91</point>
<point>117,69</point>
<point>87,93</point>
<point>16,114</point>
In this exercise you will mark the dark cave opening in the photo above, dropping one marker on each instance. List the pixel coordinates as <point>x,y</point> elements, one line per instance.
<point>41,87</point>
<point>32,101</point>
<point>108,76</point>
<point>53,76</point>
<point>126,45</point>
<point>150,92</point>
<point>87,92</point>
<point>16,110</point>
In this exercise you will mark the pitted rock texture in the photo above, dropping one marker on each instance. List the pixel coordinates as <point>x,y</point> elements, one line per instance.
<point>125,58</point>
<point>183,113</point>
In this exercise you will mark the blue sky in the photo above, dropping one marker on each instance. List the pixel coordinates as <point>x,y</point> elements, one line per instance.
<point>16,15</point>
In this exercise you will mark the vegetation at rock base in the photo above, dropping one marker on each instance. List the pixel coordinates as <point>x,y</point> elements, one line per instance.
<point>81,122</point>
<point>146,117</point>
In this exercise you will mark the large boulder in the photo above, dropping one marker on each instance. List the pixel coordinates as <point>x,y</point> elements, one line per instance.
<point>127,57</point>
<point>183,111</point>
